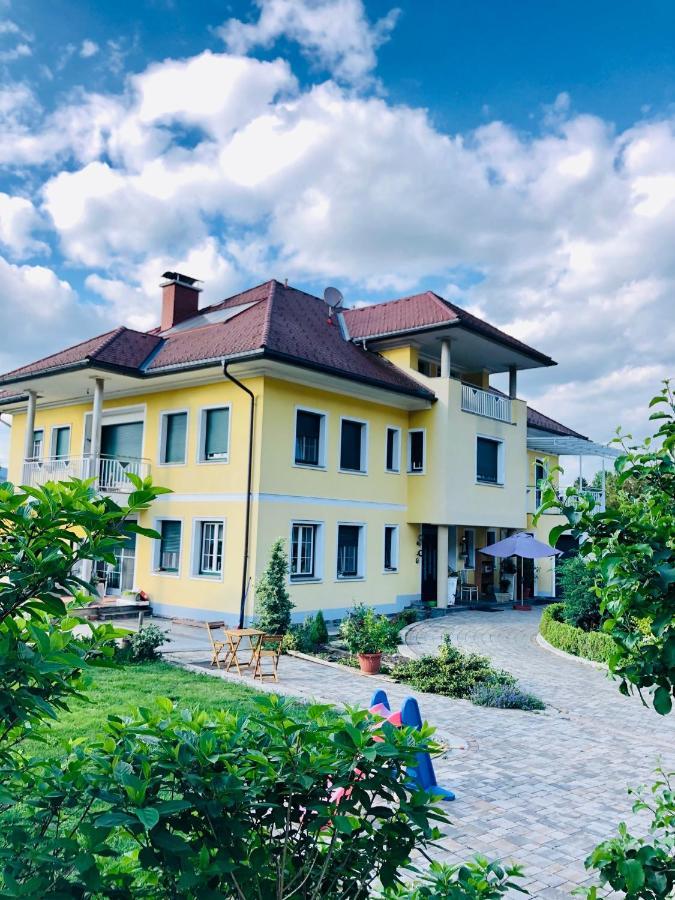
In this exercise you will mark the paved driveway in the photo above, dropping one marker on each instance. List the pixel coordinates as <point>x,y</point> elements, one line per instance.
<point>539,788</point>
<point>545,788</point>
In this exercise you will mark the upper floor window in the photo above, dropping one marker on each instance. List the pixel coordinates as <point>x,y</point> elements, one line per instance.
<point>38,441</point>
<point>540,474</point>
<point>428,368</point>
<point>391,548</point>
<point>350,551</point>
<point>489,461</point>
<point>60,441</point>
<point>304,555</point>
<point>393,451</point>
<point>214,444</point>
<point>310,438</point>
<point>353,437</point>
<point>173,438</point>
<point>416,451</point>
<point>210,548</point>
<point>168,553</point>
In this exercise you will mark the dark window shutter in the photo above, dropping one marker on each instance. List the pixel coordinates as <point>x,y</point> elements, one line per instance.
<point>487,460</point>
<point>350,445</point>
<point>307,438</point>
<point>124,441</point>
<point>217,431</point>
<point>169,546</point>
<point>62,443</point>
<point>176,435</point>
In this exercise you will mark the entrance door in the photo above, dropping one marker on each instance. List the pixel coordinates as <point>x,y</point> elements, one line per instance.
<point>120,576</point>
<point>429,586</point>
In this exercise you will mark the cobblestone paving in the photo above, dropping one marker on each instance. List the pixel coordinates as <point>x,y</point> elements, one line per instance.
<point>539,788</point>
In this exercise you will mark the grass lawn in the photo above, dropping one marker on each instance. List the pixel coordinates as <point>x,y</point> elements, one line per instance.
<point>117,691</point>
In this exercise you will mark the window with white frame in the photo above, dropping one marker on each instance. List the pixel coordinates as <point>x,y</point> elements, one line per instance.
<point>305,553</point>
<point>393,450</point>
<point>350,551</point>
<point>38,440</point>
<point>210,548</point>
<point>215,434</point>
<point>310,438</point>
<point>391,548</point>
<point>489,460</point>
<point>167,557</point>
<point>173,438</point>
<point>540,475</point>
<point>60,441</point>
<point>353,445</point>
<point>416,451</point>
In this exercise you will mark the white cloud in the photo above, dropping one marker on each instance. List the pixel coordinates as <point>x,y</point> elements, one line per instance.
<point>88,48</point>
<point>334,35</point>
<point>18,220</point>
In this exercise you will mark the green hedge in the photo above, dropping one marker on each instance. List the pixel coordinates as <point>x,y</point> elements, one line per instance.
<point>595,645</point>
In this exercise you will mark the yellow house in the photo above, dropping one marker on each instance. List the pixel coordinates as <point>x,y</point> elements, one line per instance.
<point>369,438</point>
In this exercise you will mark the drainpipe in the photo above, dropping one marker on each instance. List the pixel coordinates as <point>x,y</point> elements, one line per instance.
<point>244,574</point>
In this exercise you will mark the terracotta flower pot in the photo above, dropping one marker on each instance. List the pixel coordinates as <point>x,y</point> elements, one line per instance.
<point>370,663</point>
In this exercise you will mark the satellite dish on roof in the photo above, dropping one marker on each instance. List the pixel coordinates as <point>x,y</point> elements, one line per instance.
<point>333,297</point>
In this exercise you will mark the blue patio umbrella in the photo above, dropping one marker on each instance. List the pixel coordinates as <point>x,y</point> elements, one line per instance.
<point>524,545</point>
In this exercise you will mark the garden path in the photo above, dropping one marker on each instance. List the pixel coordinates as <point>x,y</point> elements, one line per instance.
<point>539,788</point>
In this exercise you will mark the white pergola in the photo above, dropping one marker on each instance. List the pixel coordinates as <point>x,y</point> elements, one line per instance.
<point>567,445</point>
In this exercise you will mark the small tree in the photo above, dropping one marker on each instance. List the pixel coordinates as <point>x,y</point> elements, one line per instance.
<point>581,601</point>
<point>273,604</point>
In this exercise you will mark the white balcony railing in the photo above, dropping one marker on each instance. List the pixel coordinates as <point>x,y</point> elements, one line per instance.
<point>534,500</point>
<point>111,472</point>
<point>484,403</point>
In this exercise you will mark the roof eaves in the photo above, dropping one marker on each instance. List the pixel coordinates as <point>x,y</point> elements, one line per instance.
<point>417,329</point>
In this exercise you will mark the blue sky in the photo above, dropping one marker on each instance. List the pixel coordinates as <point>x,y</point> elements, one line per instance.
<point>519,158</point>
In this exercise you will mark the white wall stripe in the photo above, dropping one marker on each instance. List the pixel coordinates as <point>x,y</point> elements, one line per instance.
<point>168,499</point>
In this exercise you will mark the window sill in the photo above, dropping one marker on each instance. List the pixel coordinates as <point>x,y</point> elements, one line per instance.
<point>171,465</point>
<point>353,471</point>
<point>320,467</point>
<point>416,472</point>
<point>213,462</point>
<point>497,484</point>
<point>390,571</point>
<point>350,578</point>
<point>166,574</point>
<point>198,576</point>
<point>392,471</point>
<point>308,580</point>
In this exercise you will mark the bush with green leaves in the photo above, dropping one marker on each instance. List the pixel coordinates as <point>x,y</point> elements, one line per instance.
<point>146,643</point>
<point>631,552</point>
<point>176,803</point>
<point>364,631</point>
<point>451,673</point>
<point>579,594</point>
<point>46,533</point>
<point>308,636</point>
<point>478,879</point>
<point>273,603</point>
<point>504,696</point>
<point>641,868</point>
<point>594,645</point>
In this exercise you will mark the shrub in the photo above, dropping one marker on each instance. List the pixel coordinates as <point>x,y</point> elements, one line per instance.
<point>478,879</point>
<point>366,632</point>
<point>504,696</point>
<point>581,601</point>
<point>320,630</point>
<point>594,645</point>
<point>273,604</point>
<point>145,643</point>
<point>451,673</point>
<point>405,617</point>
<point>308,636</point>
<point>283,802</point>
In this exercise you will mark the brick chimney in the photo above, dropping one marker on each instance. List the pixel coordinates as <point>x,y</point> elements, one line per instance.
<point>180,298</point>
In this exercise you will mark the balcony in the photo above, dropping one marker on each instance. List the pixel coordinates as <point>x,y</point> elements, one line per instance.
<point>485,403</point>
<point>534,501</point>
<point>111,471</point>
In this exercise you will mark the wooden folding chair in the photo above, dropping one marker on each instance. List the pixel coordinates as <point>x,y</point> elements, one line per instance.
<point>216,646</point>
<point>268,648</point>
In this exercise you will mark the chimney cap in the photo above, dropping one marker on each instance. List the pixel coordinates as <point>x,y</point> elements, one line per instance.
<point>179,278</point>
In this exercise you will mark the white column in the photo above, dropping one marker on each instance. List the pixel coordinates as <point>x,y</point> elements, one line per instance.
<point>513,382</point>
<point>96,421</point>
<point>30,426</point>
<point>442,567</point>
<point>445,358</point>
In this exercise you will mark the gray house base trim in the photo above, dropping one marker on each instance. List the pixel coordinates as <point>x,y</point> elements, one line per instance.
<point>171,611</point>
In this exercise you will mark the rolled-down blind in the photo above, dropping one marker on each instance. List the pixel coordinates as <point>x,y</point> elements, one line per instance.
<point>487,467</point>
<point>217,430</point>
<point>169,548</point>
<point>62,442</point>
<point>176,433</point>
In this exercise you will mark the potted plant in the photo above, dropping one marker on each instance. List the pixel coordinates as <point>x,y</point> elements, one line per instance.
<point>368,635</point>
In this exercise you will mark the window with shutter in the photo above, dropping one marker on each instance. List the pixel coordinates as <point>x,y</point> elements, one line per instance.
<point>487,460</point>
<point>416,451</point>
<point>169,545</point>
<point>61,439</point>
<point>352,446</point>
<point>122,441</point>
<point>215,434</point>
<point>348,551</point>
<point>393,460</point>
<point>174,438</point>
<point>308,438</point>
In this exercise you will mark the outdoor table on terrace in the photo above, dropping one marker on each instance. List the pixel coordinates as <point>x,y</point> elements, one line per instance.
<point>242,640</point>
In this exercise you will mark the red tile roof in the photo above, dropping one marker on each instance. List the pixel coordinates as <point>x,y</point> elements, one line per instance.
<point>535,419</point>
<point>426,310</point>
